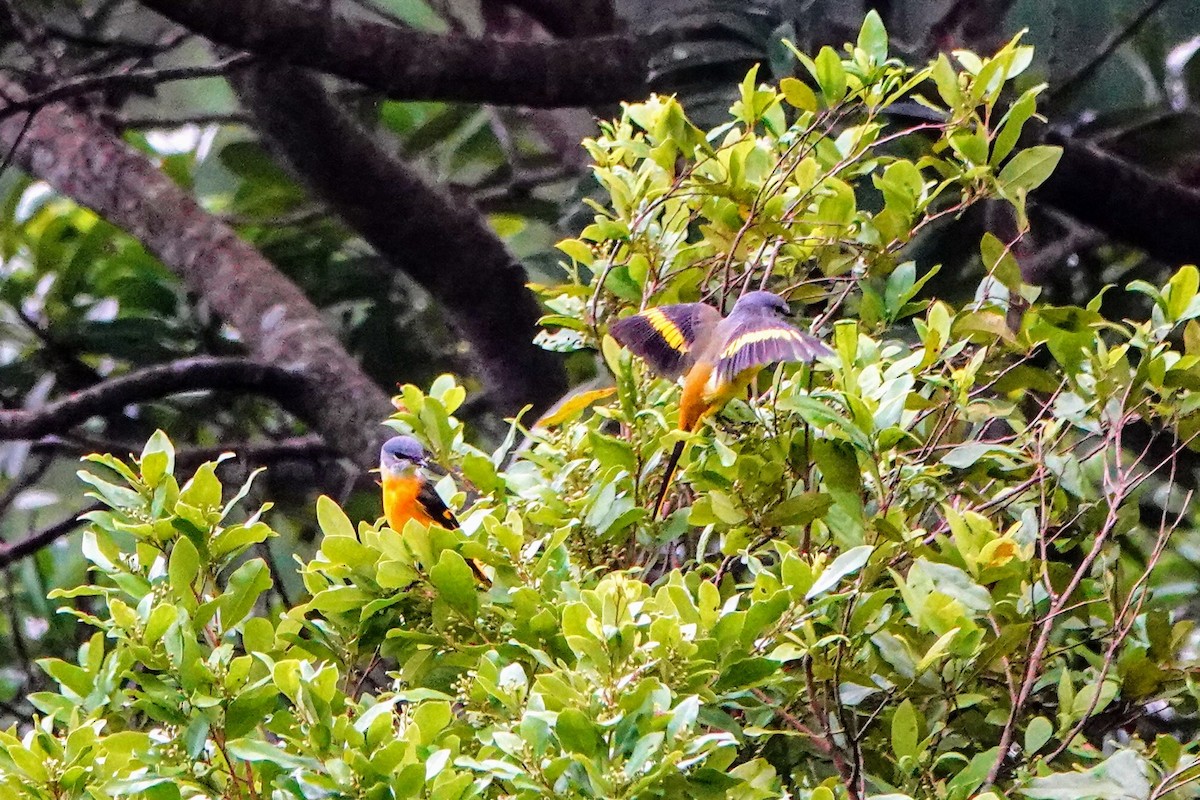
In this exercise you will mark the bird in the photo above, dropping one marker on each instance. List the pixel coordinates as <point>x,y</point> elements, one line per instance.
<point>717,356</point>
<point>408,492</point>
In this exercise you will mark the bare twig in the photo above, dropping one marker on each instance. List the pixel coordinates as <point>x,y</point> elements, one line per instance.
<point>145,123</point>
<point>185,375</point>
<point>83,84</point>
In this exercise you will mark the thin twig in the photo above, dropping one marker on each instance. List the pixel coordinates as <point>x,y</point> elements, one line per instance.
<point>1106,50</point>
<point>84,84</point>
<point>10,553</point>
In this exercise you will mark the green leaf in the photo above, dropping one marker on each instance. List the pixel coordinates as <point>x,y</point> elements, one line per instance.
<point>577,733</point>
<point>203,491</point>
<point>946,80</point>
<point>73,678</point>
<point>256,750</point>
<point>831,75</point>
<point>182,568</point>
<point>196,736</point>
<point>1168,749</point>
<point>1180,291</point>
<point>1029,168</point>
<point>158,458</point>
<point>332,519</point>
<point>873,38</point>
<point>798,94</point>
<point>844,565</point>
<point>905,731</point>
<point>234,540</point>
<point>1122,776</point>
<point>245,585</point>
<point>798,510</point>
<point>843,480</point>
<point>113,496</point>
<point>455,583</point>
<point>1014,122</point>
<point>1037,733</point>
<point>971,146</point>
<point>965,455</point>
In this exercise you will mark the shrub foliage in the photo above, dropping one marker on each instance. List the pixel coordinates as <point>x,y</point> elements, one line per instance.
<point>916,568</point>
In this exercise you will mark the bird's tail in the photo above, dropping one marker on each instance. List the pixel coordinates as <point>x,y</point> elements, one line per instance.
<point>672,464</point>
<point>477,567</point>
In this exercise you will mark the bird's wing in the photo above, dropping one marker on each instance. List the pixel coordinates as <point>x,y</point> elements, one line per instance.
<point>760,340</point>
<point>437,510</point>
<point>669,338</point>
<point>435,507</point>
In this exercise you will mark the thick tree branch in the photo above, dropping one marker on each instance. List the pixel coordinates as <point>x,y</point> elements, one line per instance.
<point>443,244</point>
<point>409,65</point>
<point>152,383</point>
<point>1123,200</point>
<point>277,323</point>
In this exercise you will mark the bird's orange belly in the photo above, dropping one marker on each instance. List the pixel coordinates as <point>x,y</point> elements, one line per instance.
<point>400,503</point>
<point>701,397</point>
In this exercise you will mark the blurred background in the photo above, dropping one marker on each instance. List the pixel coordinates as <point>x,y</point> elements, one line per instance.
<point>407,222</point>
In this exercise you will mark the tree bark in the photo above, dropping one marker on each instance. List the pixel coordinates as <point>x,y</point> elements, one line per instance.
<point>152,383</point>
<point>279,325</point>
<point>410,65</point>
<point>443,244</point>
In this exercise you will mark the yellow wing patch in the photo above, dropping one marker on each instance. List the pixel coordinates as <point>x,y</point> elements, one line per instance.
<point>764,335</point>
<point>667,329</point>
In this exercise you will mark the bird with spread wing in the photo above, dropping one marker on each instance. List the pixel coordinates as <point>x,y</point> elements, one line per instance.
<point>717,356</point>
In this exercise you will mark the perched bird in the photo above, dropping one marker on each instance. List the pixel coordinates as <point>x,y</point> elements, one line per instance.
<point>717,357</point>
<point>409,494</point>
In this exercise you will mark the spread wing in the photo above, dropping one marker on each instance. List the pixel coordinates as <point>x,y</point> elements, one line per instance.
<point>668,338</point>
<point>435,507</point>
<point>759,341</point>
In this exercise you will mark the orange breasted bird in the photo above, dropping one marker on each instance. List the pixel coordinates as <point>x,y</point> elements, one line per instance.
<point>408,492</point>
<point>717,357</point>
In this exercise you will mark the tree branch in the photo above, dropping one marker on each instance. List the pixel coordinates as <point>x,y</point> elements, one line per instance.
<point>276,322</point>
<point>443,244</point>
<point>1088,69</point>
<point>1123,200</point>
<point>409,65</point>
<point>83,84</point>
<point>304,449</point>
<point>185,375</point>
<point>10,553</point>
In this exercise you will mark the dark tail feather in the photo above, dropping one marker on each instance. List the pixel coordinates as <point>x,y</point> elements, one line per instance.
<point>672,463</point>
<point>477,567</point>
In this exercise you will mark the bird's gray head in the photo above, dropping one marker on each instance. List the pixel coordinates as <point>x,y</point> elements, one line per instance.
<point>762,302</point>
<point>400,452</point>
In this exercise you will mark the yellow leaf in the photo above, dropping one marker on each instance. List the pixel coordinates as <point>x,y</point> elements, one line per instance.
<point>573,405</point>
<point>998,553</point>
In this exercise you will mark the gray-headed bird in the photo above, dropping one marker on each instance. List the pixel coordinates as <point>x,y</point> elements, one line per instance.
<point>717,356</point>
